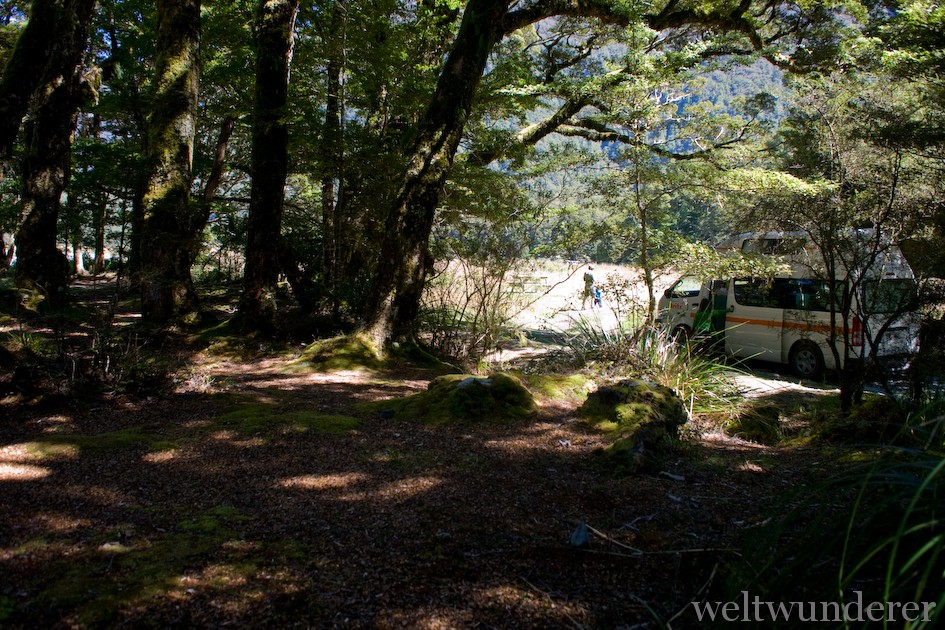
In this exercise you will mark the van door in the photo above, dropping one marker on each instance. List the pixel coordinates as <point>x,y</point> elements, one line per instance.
<point>755,321</point>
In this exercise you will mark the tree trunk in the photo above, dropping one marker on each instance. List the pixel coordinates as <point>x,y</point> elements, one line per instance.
<point>99,223</point>
<point>404,259</point>
<point>227,125</point>
<point>47,156</point>
<point>171,229</point>
<point>332,154</point>
<point>44,52</point>
<point>275,24</point>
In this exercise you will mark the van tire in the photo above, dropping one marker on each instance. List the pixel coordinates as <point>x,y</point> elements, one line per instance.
<point>681,335</point>
<point>806,360</point>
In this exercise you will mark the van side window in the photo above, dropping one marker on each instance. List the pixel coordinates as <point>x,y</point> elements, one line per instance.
<point>765,292</point>
<point>812,294</point>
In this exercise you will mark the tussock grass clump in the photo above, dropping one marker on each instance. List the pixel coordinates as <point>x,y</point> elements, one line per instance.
<point>877,529</point>
<point>760,423</point>
<point>702,381</point>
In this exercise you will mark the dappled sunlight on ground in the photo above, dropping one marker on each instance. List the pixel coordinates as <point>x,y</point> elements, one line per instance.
<point>325,482</point>
<point>14,472</point>
<point>220,506</point>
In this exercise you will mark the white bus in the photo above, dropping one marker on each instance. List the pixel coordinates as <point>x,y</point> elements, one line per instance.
<point>793,317</point>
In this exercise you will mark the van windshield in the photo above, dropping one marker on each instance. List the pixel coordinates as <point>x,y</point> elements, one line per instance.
<point>889,295</point>
<point>688,286</point>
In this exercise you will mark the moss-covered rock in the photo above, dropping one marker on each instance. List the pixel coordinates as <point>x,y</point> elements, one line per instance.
<point>644,419</point>
<point>348,352</point>
<point>464,398</point>
<point>568,388</point>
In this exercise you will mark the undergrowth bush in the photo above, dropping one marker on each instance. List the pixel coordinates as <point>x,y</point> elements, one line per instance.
<point>468,309</point>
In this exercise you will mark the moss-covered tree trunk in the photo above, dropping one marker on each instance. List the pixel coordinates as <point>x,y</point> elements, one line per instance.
<point>171,229</point>
<point>47,154</point>
<point>275,23</point>
<point>44,51</point>
<point>404,259</point>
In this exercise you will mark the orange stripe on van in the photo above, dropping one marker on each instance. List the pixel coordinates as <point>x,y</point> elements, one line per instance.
<point>772,323</point>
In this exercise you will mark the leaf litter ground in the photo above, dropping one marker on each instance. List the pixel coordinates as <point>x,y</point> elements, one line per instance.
<point>260,496</point>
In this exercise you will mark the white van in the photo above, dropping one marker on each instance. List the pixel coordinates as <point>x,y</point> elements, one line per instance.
<point>792,317</point>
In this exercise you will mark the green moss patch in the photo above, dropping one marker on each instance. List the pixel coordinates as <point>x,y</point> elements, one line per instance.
<point>135,571</point>
<point>559,387</point>
<point>64,444</point>
<point>463,398</point>
<point>261,418</point>
<point>643,418</point>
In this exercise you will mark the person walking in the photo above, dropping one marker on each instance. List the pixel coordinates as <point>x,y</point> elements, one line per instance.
<point>588,287</point>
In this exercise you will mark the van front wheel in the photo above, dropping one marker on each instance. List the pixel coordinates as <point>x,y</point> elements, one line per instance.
<point>806,360</point>
<point>681,335</point>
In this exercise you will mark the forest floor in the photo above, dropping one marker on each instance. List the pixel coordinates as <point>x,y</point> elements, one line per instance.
<point>258,494</point>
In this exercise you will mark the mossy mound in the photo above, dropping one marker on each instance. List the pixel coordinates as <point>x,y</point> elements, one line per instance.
<point>644,419</point>
<point>348,352</point>
<point>464,398</point>
<point>878,420</point>
<point>559,387</point>
<point>761,424</point>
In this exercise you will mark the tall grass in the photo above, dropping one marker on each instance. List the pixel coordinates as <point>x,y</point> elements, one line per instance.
<point>902,548</point>
<point>877,529</point>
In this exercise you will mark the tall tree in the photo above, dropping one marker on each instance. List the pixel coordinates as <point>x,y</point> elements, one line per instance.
<point>855,199</point>
<point>46,160</point>
<point>404,257</point>
<point>275,27</point>
<point>172,226</point>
